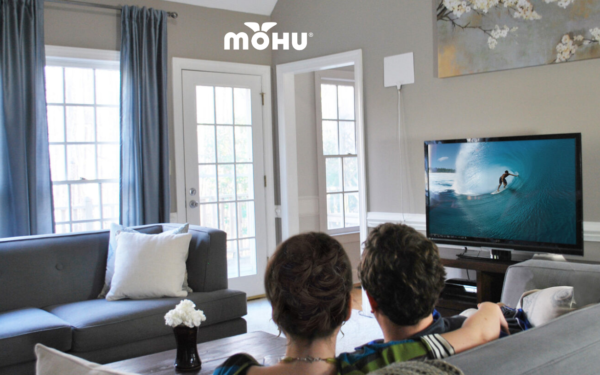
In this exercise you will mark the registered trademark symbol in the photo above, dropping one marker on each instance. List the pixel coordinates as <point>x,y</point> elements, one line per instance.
<point>311,35</point>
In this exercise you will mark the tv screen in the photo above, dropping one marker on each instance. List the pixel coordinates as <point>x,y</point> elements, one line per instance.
<point>520,193</point>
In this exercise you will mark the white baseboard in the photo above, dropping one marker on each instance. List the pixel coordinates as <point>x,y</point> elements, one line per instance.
<point>591,229</point>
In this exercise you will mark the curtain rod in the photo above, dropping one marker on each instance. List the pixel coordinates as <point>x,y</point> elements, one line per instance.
<point>95,5</point>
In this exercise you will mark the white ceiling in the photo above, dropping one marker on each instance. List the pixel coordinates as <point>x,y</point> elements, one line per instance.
<point>264,7</point>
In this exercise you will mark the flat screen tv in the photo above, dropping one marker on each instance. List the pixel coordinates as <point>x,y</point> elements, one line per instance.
<point>518,193</point>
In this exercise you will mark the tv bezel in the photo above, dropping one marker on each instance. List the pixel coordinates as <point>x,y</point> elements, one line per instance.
<point>548,247</point>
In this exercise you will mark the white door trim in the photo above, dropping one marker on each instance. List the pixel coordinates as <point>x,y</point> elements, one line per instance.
<point>264,71</point>
<point>286,99</point>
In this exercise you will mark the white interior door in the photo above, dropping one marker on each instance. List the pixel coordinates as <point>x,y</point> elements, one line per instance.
<point>224,168</point>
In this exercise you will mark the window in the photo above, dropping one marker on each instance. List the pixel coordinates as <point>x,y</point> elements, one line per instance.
<point>82,98</point>
<point>338,158</point>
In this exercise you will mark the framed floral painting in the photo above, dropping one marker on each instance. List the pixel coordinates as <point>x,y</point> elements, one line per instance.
<point>476,36</point>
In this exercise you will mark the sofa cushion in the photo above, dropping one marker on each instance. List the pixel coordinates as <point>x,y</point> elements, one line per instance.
<point>100,324</point>
<point>21,329</point>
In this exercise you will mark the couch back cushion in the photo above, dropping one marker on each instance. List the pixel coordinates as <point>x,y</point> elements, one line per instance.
<point>39,271</point>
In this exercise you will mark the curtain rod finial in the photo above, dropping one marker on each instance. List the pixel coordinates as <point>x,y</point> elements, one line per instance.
<point>173,15</point>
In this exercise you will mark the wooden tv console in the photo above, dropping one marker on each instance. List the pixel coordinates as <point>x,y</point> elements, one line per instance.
<point>490,278</point>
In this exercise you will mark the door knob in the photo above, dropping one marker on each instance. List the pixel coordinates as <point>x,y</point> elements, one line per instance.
<point>193,192</point>
<point>193,204</point>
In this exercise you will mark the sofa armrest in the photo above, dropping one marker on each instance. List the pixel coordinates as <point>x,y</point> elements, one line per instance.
<point>207,259</point>
<point>541,274</point>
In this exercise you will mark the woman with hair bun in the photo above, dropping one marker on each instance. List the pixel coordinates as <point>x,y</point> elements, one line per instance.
<point>308,283</point>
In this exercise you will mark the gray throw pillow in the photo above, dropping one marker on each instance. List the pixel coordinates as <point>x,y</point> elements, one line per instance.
<point>115,230</point>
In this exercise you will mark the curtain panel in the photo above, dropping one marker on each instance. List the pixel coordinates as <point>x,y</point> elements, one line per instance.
<point>25,184</point>
<point>145,197</point>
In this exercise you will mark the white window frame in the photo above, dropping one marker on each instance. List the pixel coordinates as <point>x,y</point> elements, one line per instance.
<point>83,58</point>
<point>336,77</point>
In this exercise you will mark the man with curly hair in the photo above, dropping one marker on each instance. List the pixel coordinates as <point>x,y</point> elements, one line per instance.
<point>403,276</point>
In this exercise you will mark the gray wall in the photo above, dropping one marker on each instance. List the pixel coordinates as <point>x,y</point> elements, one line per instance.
<point>198,33</point>
<point>539,100</point>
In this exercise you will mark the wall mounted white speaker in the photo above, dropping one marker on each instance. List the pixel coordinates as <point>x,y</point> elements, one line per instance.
<point>399,70</point>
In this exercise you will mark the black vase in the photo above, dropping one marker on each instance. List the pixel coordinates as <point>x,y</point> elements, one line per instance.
<point>187,351</point>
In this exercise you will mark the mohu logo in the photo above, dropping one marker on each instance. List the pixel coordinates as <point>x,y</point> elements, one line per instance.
<point>261,41</point>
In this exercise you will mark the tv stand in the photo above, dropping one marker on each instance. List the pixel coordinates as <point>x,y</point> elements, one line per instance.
<point>490,278</point>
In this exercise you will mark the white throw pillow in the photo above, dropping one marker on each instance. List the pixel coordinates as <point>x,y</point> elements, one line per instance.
<point>149,266</point>
<point>52,362</point>
<point>543,305</point>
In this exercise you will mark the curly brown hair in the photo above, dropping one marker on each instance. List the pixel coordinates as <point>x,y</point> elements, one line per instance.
<point>308,282</point>
<point>402,271</point>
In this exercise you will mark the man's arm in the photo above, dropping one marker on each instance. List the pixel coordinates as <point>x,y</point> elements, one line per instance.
<point>482,327</point>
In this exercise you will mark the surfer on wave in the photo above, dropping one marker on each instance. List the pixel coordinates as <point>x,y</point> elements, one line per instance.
<point>503,179</point>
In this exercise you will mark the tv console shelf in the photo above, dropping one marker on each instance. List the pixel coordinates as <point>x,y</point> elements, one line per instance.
<point>490,278</point>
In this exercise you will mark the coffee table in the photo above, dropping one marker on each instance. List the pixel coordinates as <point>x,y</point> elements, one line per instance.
<point>212,354</point>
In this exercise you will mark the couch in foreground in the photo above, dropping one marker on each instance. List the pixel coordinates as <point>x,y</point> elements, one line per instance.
<point>48,294</point>
<point>568,345</point>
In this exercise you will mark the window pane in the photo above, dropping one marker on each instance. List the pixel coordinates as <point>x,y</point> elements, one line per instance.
<point>108,87</point>
<point>108,124</point>
<point>85,202</point>
<point>86,227</point>
<point>61,202</point>
<point>243,106</point>
<point>79,85</point>
<point>80,124</point>
<point>63,228</point>
<point>247,255</point>
<point>350,174</point>
<point>110,202</point>
<point>330,138</point>
<point>243,144</point>
<point>246,220</point>
<point>208,183</point>
<point>232,259</point>
<point>81,162</point>
<point>209,216</point>
<point>225,144</point>
<point>54,84</point>
<point>333,174</point>
<point>351,209</point>
<point>245,181</point>
<point>227,219</point>
<point>57,162</point>
<point>205,105</point>
<point>224,98</point>
<point>346,102</point>
<point>335,218</point>
<point>226,183</point>
<point>347,138</point>
<point>56,123</point>
<point>109,161</point>
<point>329,102</point>
<point>206,144</point>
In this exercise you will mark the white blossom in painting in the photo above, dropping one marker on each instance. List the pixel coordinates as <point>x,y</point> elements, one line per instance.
<point>568,46</point>
<point>561,3</point>
<point>595,34</point>
<point>457,7</point>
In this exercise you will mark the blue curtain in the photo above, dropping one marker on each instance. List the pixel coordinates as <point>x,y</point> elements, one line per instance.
<point>25,184</point>
<point>145,195</point>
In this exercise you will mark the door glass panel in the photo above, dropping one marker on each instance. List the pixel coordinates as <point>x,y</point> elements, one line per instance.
<point>243,106</point>
<point>247,254</point>
<point>245,181</point>
<point>232,259</point>
<point>246,220</point>
<point>209,215</point>
<point>226,182</point>
<point>243,144</point>
<point>205,105</point>
<point>224,99</point>
<point>207,183</point>
<point>206,144</point>
<point>227,219</point>
<point>225,144</point>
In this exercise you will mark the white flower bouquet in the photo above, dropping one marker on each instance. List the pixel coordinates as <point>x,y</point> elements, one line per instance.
<point>185,313</point>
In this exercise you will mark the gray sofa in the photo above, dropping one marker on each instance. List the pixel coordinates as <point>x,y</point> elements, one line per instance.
<point>48,294</point>
<point>567,345</point>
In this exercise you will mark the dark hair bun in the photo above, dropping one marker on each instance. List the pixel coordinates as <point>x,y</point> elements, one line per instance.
<point>308,282</point>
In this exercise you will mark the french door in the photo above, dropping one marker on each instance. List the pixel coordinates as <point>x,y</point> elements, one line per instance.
<point>224,168</point>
